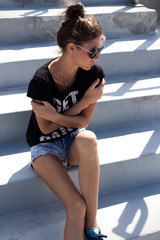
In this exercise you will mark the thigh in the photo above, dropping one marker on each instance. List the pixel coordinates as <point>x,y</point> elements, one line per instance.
<point>84,143</point>
<point>53,173</point>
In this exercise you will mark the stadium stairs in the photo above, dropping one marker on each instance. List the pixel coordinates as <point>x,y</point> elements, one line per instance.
<point>126,120</point>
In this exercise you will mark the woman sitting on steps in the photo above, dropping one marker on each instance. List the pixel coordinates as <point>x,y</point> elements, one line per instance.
<point>64,93</point>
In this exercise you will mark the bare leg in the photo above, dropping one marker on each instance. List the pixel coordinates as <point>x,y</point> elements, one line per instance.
<point>51,170</point>
<point>84,152</point>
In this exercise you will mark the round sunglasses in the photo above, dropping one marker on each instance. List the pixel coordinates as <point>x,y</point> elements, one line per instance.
<point>94,52</point>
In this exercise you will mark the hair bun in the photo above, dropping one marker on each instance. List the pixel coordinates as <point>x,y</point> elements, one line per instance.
<point>75,10</point>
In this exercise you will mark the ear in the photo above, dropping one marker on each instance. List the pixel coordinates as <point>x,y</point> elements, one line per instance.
<point>71,47</point>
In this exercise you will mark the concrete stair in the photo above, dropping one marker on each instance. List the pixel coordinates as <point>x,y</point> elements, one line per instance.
<point>39,25</point>
<point>131,56</point>
<point>128,99</point>
<point>129,214</point>
<point>126,121</point>
<point>135,162</point>
<point>13,4</point>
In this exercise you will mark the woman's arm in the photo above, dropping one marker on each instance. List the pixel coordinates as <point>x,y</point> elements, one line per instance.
<point>78,115</point>
<point>75,121</point>
<point>81,120</point>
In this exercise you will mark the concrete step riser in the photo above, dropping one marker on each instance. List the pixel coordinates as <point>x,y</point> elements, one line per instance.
<point>115,176</point>
<point>14,74</point>
<point>36,26</point>
<point>106,114</point>
<point>126,174</point>
<point>136,63</point>
<point>130,63</point>
<point>155,4</point>
<point>126,111</point>
<point>53,3</point>
<point>14,126</point>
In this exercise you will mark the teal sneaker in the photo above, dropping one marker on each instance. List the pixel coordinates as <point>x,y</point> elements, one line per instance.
<point>94,235</point>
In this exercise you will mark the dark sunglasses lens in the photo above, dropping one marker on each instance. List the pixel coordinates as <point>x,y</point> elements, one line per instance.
<point>96,51</point>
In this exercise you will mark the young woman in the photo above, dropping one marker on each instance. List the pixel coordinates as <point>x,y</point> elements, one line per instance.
<point>64,93</point>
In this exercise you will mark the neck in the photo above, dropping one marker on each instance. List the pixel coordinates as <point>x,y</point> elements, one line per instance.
<point>65,69</point>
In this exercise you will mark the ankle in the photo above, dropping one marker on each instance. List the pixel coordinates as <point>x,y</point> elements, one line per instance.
<point>94,234</point>
<point>91,225</point>
<point>91,228</point>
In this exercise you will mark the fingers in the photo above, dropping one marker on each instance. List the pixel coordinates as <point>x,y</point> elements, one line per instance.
<point>98,83</point>
<point>100,86</point>
<point>46,104</point>
<point>36,106</point>
<point>95,83</point>
<point>102,83</point>
<point>34,103</point>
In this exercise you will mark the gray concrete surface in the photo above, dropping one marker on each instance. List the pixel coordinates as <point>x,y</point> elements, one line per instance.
<point>154,4</point>
<point>126,100</point>
<point>131,56</point>
<point>129,156</point>
<point>40,25</point>
<point>57,3</point>
<point>125,215</point>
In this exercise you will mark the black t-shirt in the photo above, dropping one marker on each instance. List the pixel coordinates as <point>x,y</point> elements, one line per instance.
<point>42,87</point>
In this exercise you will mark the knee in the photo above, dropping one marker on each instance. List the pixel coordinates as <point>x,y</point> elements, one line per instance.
<point>77,209</point>
<point>87,142</point>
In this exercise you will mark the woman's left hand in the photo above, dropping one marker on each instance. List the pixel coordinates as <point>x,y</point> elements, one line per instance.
<point>94,92</point>
<point>44,110</point>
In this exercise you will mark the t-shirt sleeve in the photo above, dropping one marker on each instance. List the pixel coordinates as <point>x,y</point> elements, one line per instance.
<point>37,89</point>
<point>98,72</point>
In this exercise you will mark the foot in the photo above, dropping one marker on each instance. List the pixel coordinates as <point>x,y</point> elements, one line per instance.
<point>94,235</point>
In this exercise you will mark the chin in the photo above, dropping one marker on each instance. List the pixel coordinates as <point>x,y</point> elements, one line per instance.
<point>87,68</point>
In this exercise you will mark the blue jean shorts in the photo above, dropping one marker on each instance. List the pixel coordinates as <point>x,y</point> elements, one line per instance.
<point>57,148</point>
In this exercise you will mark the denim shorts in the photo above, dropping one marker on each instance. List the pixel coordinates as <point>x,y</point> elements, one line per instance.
<point>58,148</point>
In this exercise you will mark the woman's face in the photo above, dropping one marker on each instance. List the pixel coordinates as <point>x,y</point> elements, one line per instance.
<point>82,58</point>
